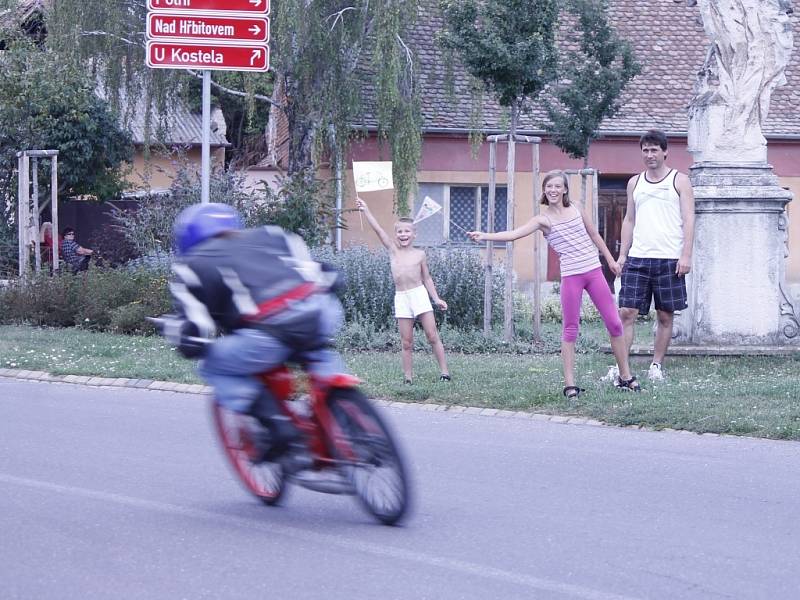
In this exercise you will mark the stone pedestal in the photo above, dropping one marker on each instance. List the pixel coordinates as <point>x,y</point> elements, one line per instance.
<point>736,291</point>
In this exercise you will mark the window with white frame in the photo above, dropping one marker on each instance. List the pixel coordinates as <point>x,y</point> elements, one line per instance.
<point>464,208</point>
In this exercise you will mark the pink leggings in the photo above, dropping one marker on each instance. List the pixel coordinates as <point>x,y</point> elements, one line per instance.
<point>572,287</point>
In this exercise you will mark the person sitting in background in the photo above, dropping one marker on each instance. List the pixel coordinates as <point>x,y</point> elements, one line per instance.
<point>46,241</point>
<point>75,255</point>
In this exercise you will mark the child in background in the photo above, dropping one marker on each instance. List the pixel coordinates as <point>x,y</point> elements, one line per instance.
<point>570,233</point>
<point>413,285</point>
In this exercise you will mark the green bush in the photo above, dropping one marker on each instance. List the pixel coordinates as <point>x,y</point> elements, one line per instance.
<point>459,277</point>
<point>9,249</point>
<point>99,299</point>
<point>457,273</point>
<point>301,205</point>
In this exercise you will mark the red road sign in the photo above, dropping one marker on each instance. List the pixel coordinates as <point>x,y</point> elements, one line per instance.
<point>194,55</point>
<point>204,27</point>
<point>260,7</point>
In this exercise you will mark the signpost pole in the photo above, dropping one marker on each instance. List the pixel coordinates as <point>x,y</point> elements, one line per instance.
<point>205,166</point>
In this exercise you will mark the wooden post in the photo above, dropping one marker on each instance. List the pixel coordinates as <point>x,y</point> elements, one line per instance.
<point>54,207</point>
<point>595,201</point>
<point>537,250</point>
<point>489,264</point>
<point>508,316</point>
<point>23,213</point>
<point>37,250</point>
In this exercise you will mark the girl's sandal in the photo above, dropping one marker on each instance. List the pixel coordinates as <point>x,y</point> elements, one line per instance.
<point>573,391</point>
<point>629,384</point>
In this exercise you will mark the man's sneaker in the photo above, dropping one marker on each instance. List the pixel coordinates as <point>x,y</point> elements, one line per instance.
<point>655,373</point>
<point>612,375</point>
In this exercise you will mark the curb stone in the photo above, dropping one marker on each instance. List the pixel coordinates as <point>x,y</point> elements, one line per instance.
<point>193,388</point>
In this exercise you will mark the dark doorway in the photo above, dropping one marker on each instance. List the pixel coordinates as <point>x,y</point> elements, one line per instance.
<point>611,205</point>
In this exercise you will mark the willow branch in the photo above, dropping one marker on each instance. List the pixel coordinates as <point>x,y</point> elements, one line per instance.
<point>338,16</point>
<point>233,92</point>
<point>120,38</point>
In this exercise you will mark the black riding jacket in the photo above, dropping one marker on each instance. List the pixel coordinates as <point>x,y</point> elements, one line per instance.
<point>260,278</point>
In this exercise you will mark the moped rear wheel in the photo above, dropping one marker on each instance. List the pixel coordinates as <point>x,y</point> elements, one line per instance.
<point>265,480</point>
<point>376,468</point>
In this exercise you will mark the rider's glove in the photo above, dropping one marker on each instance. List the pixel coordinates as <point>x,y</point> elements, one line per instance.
<point>185,336</point>
<point>333,279</point>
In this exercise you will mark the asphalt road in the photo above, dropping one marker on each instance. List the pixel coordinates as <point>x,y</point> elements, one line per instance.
<point>121,493</point>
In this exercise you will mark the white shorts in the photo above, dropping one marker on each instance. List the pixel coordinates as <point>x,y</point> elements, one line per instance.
<point>411,303</point>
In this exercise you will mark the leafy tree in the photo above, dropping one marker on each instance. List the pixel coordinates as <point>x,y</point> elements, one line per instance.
<point>49,103</point>
<point>148,227</point>
<point>508,45</point>
<point>245,123</point>
<point>323,55</point>
<point>591,80</point>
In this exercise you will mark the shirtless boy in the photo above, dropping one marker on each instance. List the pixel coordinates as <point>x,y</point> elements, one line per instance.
<point>413,285</point>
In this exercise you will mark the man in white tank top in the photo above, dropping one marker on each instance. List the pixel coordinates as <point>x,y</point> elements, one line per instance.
<point>656,245</point>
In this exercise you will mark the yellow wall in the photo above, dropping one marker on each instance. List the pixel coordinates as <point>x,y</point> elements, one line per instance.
<point>158,171</point>
<point>793,210</point>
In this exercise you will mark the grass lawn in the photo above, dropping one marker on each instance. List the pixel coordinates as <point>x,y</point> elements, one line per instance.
<point>756,396</point>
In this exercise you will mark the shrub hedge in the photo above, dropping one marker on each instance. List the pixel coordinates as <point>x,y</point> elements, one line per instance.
<point>119,299</point>
<point>100,299</point>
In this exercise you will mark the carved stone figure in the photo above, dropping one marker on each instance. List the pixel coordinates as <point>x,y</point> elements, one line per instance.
<point>751,41</point>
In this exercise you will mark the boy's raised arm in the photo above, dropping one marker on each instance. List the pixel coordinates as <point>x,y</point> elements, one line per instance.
<point>382,235</point>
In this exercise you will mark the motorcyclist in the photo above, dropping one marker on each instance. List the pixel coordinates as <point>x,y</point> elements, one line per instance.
<point>261,290</point>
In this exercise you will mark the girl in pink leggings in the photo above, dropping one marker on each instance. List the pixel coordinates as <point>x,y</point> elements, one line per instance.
<point>571,235</point>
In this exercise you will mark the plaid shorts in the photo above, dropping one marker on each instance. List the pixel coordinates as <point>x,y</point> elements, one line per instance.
<point>646,279</point>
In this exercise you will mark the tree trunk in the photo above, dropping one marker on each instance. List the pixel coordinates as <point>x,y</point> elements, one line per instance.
<point>302,133</point>
<point>488,277</point>
<point>508,333</point>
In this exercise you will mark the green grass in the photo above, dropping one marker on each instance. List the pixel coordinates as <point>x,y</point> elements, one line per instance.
<point>755,396</point>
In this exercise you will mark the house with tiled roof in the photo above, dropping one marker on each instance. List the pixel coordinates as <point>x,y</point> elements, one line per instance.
<point>670,44</point>
<point>153,165</point>
<point>180,129</point>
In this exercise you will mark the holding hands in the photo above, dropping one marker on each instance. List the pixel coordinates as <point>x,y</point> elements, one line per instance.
<point>684,266</point>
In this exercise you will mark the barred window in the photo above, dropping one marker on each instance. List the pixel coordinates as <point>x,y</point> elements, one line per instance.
<point>464,208</point>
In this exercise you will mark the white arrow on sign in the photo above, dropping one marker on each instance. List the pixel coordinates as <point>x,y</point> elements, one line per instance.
<point>255,30</point>
<point>255,2</point>
<point>255,56</point>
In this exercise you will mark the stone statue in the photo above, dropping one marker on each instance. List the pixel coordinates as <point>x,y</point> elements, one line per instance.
<point>751,42</point>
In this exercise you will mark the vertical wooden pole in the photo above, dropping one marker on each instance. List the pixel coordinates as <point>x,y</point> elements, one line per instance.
<point>23,211</point>
<point>508,333</point>
<point>54,208</point>
<point>595,199</point>
<point>489,264</point>
<point>20,212</point>
<point>537,250</point>
<point>37,250</point>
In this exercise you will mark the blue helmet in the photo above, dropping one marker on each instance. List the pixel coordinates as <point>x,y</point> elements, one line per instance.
<point>200,222</point>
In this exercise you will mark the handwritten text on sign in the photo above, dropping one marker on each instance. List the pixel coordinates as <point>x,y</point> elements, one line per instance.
<point>260,7</point>
<point>176,55</point>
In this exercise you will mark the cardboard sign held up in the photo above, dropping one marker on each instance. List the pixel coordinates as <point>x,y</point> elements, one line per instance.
<point>373,176</point>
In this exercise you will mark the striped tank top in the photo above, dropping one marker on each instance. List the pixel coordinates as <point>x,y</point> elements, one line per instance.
<point>576,250</point>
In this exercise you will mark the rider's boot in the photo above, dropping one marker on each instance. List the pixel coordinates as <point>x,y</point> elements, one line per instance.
<point>283,443</point>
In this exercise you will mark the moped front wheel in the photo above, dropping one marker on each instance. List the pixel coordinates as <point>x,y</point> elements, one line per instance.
<point>369,456</point>
<point>236,431</point>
